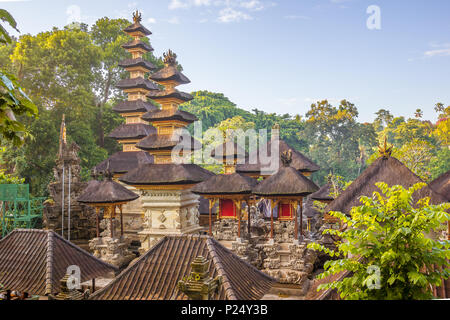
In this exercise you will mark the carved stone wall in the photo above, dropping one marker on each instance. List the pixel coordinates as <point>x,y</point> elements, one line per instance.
<point>167,212</point>
<point>82,217</point>
<point>133,213</point>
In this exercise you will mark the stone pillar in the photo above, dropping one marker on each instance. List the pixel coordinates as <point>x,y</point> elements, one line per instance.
<point>168,212</point>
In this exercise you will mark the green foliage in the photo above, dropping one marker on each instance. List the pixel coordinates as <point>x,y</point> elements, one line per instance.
<point>5,16</point>
<point>386,248</point>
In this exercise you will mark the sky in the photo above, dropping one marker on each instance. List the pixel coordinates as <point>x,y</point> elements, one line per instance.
<point>282,55</point>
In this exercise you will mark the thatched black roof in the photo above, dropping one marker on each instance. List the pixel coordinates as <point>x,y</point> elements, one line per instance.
<point>164,115</point>
<point>224,184</point>
<point>228,149</point>
<point>166,174</point>
<point>174,93</point>
<point>323,194</point>
<point>107,191</point>
<point>286,182</point>
<point>138,62</point>
<point>388,170</point>
<point>169,73</point>
<point>442,185</point>
<point>137,27</point>
<point>122,162</point>
<point>309,210</point>
<point>299,161</point>
<point>136,83</point>
<point>167,142</point>
<point>132,131</point>
<point>134,106</point>
<point>137,44</point>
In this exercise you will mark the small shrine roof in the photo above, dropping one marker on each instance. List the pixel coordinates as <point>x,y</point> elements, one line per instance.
<point>442,185</point>
<point>323,194</point>
<point>228,149</point>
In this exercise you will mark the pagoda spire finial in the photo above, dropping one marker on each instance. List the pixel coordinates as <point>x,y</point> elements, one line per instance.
<point>384,150</point>
<point>170,58</point>
<point>286,158</point>
<point>137,16</point>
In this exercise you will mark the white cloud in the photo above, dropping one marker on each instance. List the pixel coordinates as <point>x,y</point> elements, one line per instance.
<point>230,15</point>
<point>256,5</point>
<point>151,20</point>
<point>73,14</point>
<point>174,20</point>
<point>184,4</point>
<point>437,53</point>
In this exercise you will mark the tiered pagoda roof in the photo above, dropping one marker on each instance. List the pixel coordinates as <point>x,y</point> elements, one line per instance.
<point>122,162</point>
<point>170,73</point>
<point>167,142</point>
<point>166,174</point>
<point>137,86</point>
<point>170,93</point>
<point>170,114</point>
<point>132,131</point>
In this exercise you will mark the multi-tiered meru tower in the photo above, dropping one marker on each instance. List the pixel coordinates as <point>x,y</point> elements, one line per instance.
<point>166,203</point>
<point>137,86</point>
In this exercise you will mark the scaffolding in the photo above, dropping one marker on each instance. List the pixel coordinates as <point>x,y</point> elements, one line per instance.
<point>18,209</point>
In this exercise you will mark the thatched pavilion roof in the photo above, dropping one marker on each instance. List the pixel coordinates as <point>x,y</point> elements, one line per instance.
<point>286,182</point>
<point>166,174</point>
<point>384,169</point>
<point>156,274</point>
<point>442,185</point>
<point>226,184</point>
<point>107,191</point>
<point>34,261</point>
<point>121,162</point>
<point>323,194</point>
<point>299,161</point>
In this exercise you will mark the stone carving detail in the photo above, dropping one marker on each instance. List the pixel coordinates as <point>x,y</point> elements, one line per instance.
<point>82,217</point>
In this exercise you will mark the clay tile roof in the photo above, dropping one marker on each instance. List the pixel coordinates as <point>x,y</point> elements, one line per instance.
<point>137,27</point>
<point>34,261</point>
<point>134,106</point>
<point>136,83</point>
<point>388,170</point>
<point>167,142</point>
<point>166,174</point>
<point>226,184</point>
<point>156,274</point>
<point>323,194</point>
<point>132,131</point>
<point>107,191</point>
<point>174,93</point>
<point>137,44</point>
<point>299,161</point>
<point>228,149</point>
<point>286,182</point>
<point>122,162</point>
<point>164,115</point>
<point>442,185</point>
<point>170,73</point>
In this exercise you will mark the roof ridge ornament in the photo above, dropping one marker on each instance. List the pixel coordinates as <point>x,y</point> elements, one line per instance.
<point>170,58</point>
<point>286,158</point>
<point>108,174</point>
<point>137,17</point>
<point>385,151</point>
